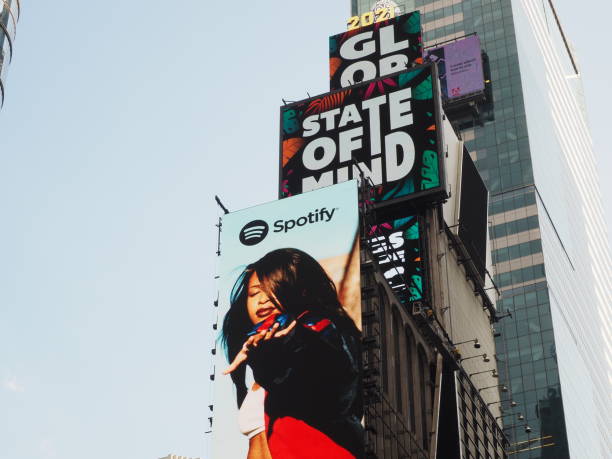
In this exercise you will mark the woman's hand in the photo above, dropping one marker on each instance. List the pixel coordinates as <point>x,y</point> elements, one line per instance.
<point>253,341</point>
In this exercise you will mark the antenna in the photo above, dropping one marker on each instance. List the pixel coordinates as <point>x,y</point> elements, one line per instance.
<point>221,205</point>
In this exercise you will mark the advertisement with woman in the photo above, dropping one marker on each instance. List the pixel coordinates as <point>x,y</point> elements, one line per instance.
<point>288,368</point>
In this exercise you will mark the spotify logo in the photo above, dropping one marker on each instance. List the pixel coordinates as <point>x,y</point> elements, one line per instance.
<point>254,232</point>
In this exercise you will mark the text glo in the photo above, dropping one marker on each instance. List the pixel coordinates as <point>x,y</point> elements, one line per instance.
<point>363,45</point>
<point>398,152</point>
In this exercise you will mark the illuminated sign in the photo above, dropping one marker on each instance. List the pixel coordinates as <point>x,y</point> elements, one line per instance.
<point>397,246</point>
<point>376,50</point>
<point>459,66</point>
<point>388,128</point>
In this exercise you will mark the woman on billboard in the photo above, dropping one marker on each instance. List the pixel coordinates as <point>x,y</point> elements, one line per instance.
<point>286,322</point>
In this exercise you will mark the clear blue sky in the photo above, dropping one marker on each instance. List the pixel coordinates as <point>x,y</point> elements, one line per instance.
<point>122,120</point>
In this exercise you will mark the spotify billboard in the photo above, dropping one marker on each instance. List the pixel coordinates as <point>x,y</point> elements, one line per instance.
<point>290,316</point>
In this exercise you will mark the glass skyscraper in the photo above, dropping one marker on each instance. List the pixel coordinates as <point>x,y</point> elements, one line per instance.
<point>552,261</point>
<point>9,14</point>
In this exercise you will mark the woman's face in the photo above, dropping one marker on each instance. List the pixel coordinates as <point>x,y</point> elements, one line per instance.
<point>259,305</point>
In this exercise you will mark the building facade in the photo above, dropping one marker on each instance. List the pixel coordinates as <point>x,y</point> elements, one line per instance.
<point>547,231</point>
<point>9,15</point>
<point>430,389</point>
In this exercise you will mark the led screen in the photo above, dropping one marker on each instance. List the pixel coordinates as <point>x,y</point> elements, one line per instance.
<point>473,203</point>
<point>388,129</point>
<point>397,246</point>
<point>460,67</point>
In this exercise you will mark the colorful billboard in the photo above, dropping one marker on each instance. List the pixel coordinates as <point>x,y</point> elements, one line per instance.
<point>398,247</point>
<point>376,50</point>
<point>288,377</point>
<point>460,67</point>
<point>388,128</point>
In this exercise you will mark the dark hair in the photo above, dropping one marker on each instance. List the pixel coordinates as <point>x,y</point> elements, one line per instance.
<point>297,281</point>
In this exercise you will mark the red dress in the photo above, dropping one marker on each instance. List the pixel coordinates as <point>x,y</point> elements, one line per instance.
<point>294,439</point>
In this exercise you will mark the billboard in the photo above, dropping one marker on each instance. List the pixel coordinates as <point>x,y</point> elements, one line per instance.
<point>288,381</point>
<point>376,50</point>
<point>398,246</point>
<point>460,67</point>
<point>388,128</point>
<point>473,216</point>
